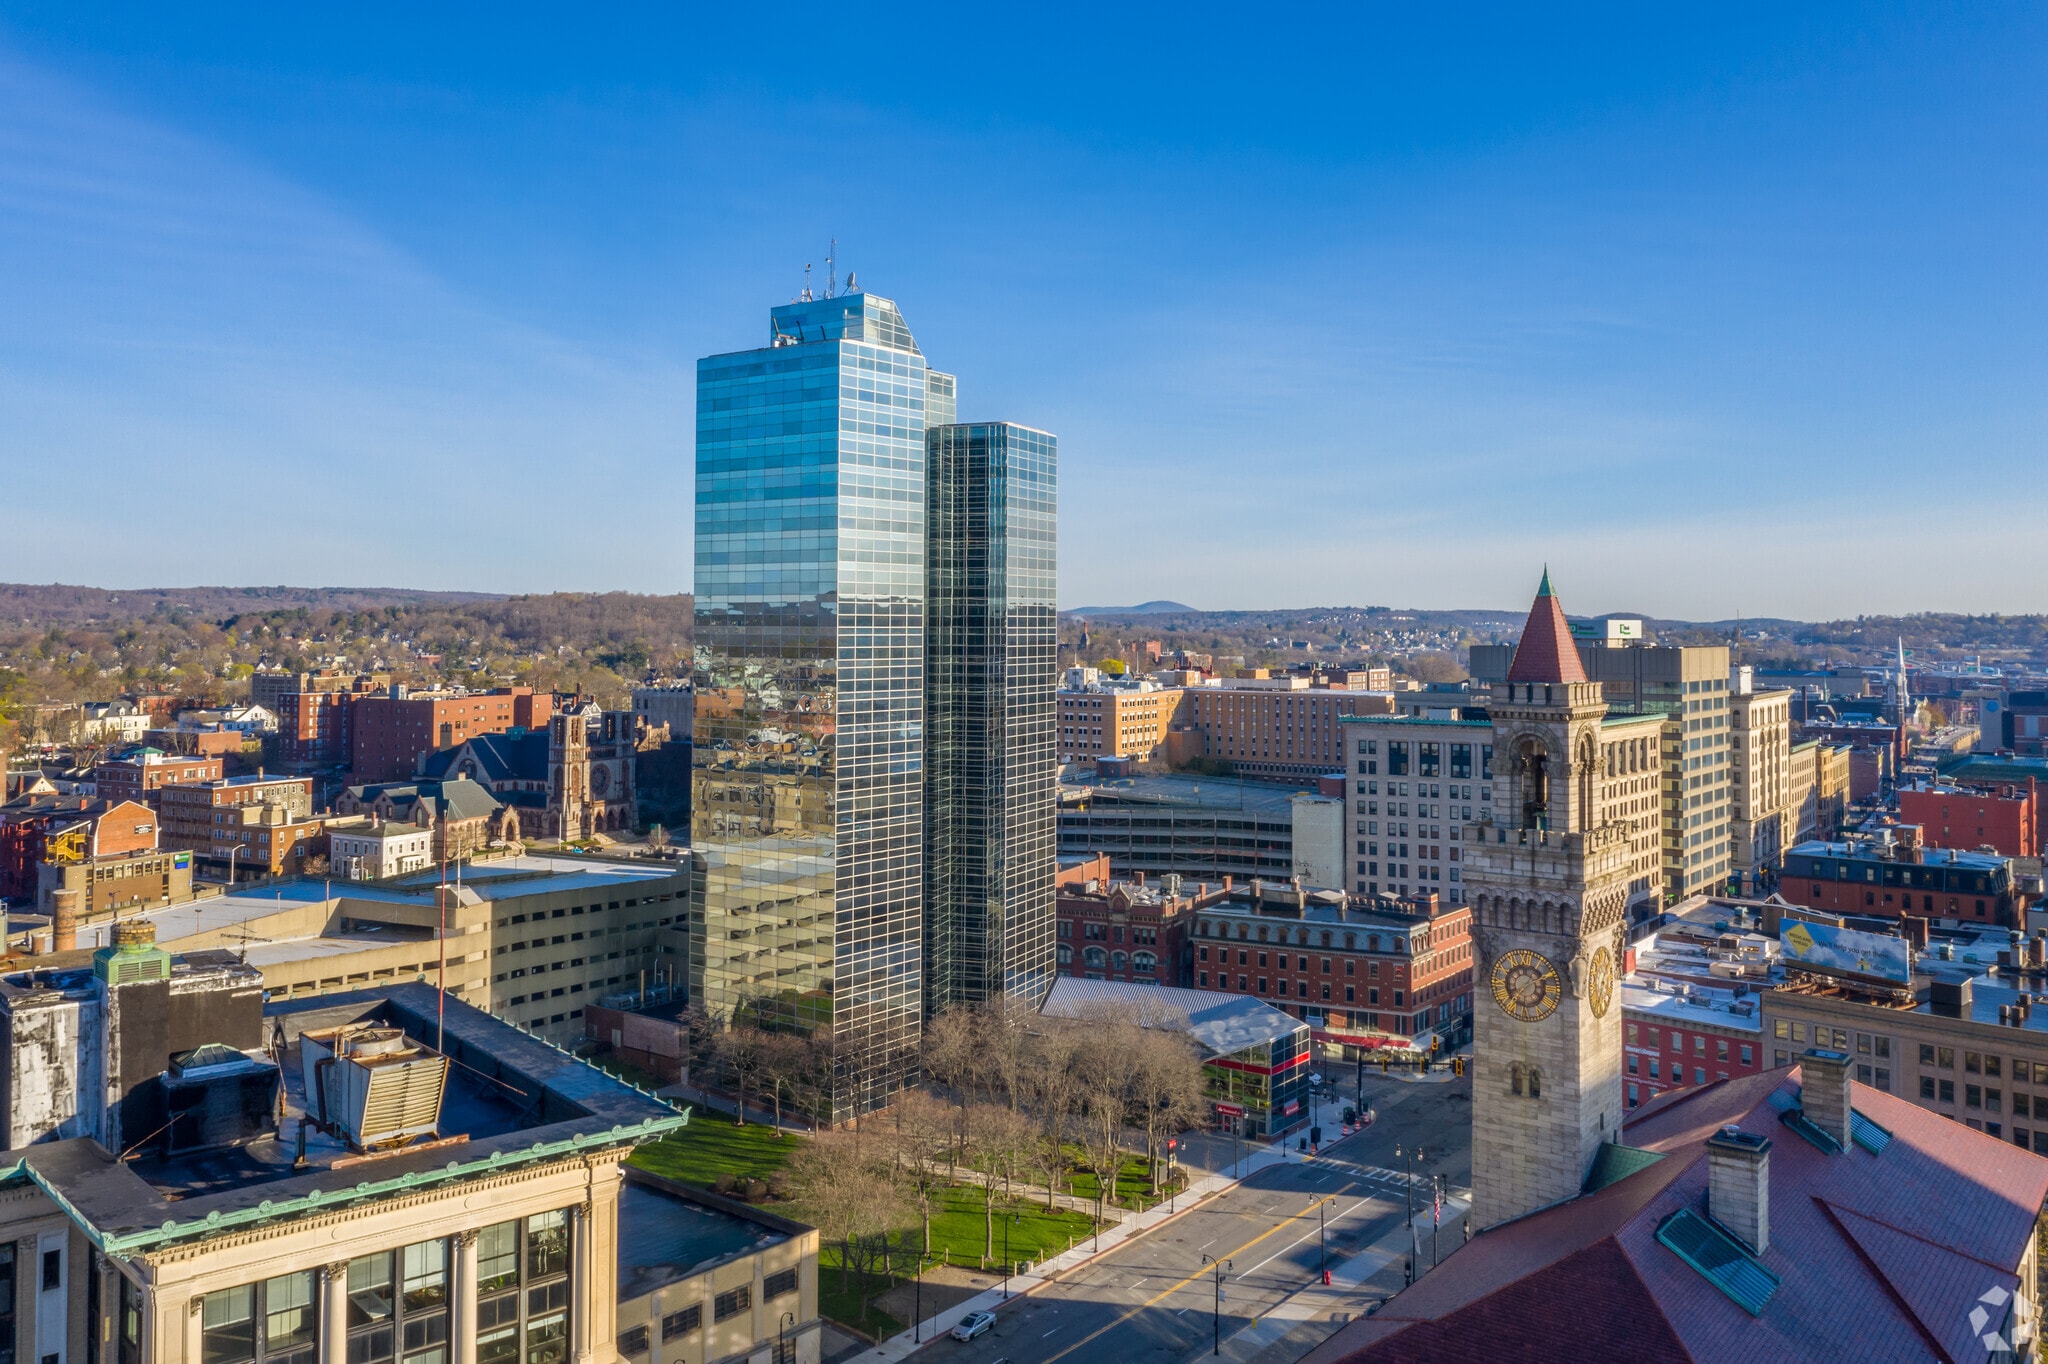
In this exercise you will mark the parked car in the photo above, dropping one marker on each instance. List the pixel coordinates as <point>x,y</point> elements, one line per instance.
<point>973,1324</point>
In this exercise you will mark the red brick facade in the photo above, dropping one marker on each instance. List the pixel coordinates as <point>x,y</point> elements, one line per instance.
<point>2006,817</point>
<point>389,733</point>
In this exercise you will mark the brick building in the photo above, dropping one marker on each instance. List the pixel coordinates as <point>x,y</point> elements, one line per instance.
<point>391,732</point>
<point>1362,973</point>
<point>1691,998</point>
<point>144,772</point>
<point>1099,719</point>
<point>2006,817</point>
<point>1897,878</point>
<point>1134,930</point>
<point>265,823</point>
<point>1271,728</point>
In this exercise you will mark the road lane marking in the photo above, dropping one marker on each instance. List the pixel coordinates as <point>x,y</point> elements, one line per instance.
<point>1175,1288</point>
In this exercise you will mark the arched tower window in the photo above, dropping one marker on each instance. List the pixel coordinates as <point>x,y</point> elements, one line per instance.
<point>1588,774</point>
<point>1535,1083</point>
<point>1532,765</point>
<point>1515,1080</point>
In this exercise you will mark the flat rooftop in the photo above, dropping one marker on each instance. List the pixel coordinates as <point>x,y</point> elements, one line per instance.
<point>668,1233</point>
<point>510,1098</point>
<point>1271,799</point>
<point>1224,1023</point>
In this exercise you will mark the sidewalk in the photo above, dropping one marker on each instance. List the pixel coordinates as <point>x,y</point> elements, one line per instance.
<point>901,1345</point>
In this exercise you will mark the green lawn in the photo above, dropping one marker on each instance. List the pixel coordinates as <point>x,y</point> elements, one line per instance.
<point>843,1304</point>
<point>1133,1185</point>
<point>711,1145</point>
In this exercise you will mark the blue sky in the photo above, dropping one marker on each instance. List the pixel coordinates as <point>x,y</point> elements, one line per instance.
<point>1720,310</point>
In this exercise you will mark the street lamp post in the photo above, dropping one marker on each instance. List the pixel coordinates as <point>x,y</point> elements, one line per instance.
<point>1322,1244</point>
<point>1413,1156</point>
<point>782,1354</point>
<point>1008,1263</point>
<point>1216,1307</point>
<point>917,1296</point>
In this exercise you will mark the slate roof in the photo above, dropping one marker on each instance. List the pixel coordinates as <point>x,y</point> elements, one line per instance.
<point>503,757</point>
<point>1546,652</point>
<point>460,798</point>
<point>1880,1256</point>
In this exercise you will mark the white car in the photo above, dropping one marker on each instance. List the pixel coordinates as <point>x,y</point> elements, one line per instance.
<point>973,1324</point>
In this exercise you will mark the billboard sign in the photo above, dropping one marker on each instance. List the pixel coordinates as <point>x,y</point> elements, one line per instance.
<point>1846,952</point>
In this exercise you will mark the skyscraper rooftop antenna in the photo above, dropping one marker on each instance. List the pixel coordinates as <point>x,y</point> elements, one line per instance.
<point>832,269</point>
<point>805,296</point>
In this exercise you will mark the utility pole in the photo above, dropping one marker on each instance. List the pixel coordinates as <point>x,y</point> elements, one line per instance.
<point>1216,1308</point>
<point>1411,1158</point>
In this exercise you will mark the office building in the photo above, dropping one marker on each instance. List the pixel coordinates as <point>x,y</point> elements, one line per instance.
<point>1688,687</point>
<point>991,646</point>
<point>1134,930</point>
<point>807,808</point>
<point>1760,754</point>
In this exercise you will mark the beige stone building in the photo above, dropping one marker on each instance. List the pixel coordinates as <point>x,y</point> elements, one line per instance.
<point>1105,718</point>
<point>1816,792</point>
<point>721,1281</point>
<point>345,1180</point>
<point>1759,754</point>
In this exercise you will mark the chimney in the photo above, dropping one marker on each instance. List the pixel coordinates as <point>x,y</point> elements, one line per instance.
<point>1739,1185</point>
<point>1824,1077</point>
<point>63,920</point>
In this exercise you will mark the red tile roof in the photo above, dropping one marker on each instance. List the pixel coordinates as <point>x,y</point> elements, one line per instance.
<point>1880,1257</point>
<point>1546,653</point>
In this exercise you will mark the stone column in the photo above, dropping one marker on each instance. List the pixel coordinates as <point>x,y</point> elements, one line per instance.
<point>462,1298</point>
<point>333,1313</point>
<point>195,1309</point>
<point>581,1308</point>
<point>28,1278</point>
<point>107,1322</point>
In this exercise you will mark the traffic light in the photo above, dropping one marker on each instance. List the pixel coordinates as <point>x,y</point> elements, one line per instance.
<point>1434,1043</point>
<point>1458,1066</point>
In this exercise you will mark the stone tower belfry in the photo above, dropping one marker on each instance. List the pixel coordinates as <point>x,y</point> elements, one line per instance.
<point>1548,879</point>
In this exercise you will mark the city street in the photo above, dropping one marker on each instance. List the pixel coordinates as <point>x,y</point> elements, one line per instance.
<point>1155,1299</point>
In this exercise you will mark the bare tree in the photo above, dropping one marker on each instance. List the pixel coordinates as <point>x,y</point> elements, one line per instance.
<point>1169,1093</point>
<point>924,1130</point>
<point>999,1140</point>
<point>1107,1062</point>
<point>1006,1044</point>
<point>785,1059</point>
<point>1053,1084</point>
<point>742,1049</point>
<point>843,1182</point>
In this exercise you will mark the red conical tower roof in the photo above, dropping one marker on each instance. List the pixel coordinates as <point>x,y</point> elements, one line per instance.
<point>1546,653</point>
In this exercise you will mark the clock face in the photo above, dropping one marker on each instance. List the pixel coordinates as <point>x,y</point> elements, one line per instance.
<point>1526,985</point>
<point>1600,982</point>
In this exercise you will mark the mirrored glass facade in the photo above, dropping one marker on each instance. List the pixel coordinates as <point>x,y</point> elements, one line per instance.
<point>990,664</point>
<point>808,791</point>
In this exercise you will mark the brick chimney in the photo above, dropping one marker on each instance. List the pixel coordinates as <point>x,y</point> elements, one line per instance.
<point>1739,1185</point>
<point>64,920</point>
<point>1824,1080</point>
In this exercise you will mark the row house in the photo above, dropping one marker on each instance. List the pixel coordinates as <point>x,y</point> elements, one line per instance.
<point>1362,973</point>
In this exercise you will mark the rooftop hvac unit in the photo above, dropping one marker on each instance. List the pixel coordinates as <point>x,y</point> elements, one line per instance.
<point>373,1087</point>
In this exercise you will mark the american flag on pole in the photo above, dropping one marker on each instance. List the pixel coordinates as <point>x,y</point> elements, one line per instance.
<point>1436,1207</point>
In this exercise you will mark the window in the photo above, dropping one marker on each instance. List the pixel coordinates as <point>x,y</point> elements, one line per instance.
<point>276,1321</point>
<point>1973,1062</point>
<point>683,1322</point>
<point>732,1304</point>
<point>633,1341</point>
<point>426,1275</point>
<point>1927,1086</point>
<point>1948,1091</point>
<point>777,1284</point>
<point>53,1270</point>
<point>497,1257</point>
<point>1945,1057</point>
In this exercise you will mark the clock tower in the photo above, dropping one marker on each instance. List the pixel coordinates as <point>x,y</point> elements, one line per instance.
<point>1549,879</point>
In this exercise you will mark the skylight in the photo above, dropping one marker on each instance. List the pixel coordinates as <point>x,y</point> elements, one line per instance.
<point>1719,1260</point>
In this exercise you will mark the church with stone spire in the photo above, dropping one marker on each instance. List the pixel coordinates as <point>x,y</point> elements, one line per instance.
<point>1572,845</point>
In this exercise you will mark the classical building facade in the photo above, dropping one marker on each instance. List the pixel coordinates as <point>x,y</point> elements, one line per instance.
<point>1549,882</point>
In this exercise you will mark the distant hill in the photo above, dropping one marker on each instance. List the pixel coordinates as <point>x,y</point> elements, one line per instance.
<point>63,603</point>
<point>1150,608</point>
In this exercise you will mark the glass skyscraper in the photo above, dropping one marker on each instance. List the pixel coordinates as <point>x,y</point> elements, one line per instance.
<point>808,802</point>
<point>991,573</point>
